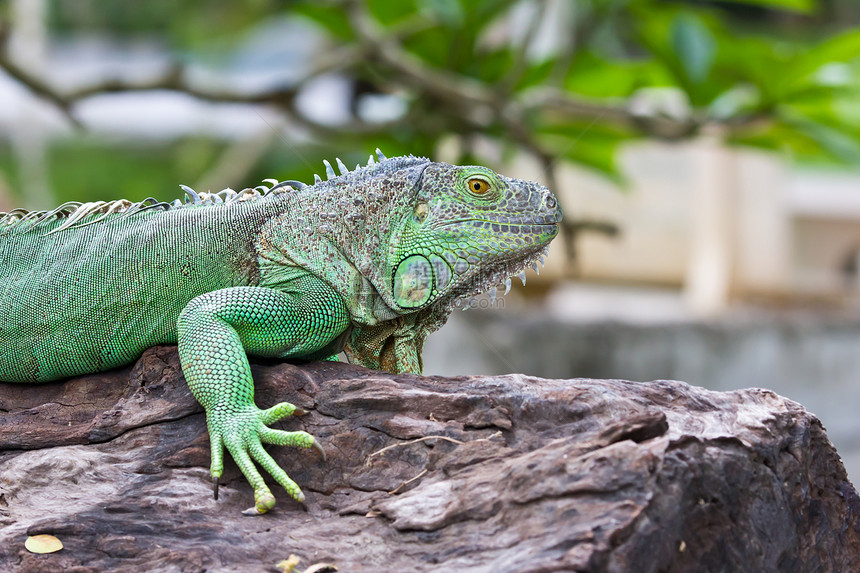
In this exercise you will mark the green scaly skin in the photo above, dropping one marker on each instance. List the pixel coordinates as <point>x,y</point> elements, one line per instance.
<point>369,261</point>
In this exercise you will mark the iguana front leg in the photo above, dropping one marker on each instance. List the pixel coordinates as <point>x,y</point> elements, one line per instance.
<point>215,332</point>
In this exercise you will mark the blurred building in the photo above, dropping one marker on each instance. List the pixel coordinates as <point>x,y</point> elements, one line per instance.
<point>747,223</point>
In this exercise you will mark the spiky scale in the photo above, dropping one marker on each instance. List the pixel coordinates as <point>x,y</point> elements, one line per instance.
<point>329,172</point>
<point>192,194</point>
<point>290,183</point>
<point>343,168</point>
<point>79,214</point>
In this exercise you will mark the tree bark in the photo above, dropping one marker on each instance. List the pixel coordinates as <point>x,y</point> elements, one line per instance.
<point>469,474</point>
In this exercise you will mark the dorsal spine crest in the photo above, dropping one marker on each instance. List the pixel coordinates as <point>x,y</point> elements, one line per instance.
<point>81,214</point>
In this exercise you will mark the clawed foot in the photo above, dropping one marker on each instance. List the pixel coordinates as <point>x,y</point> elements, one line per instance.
<point>243,433</point>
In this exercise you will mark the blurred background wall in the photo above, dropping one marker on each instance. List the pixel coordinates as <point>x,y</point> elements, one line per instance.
<point>706,154</point>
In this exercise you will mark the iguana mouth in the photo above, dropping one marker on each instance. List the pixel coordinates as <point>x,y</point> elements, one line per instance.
<point>491,222</point>
<point>500,276</point>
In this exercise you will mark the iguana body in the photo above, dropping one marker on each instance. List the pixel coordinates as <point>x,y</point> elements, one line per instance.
<point>370,261</point>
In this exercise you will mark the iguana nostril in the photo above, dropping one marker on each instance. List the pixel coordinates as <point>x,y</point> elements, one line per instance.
<point>549,201</point>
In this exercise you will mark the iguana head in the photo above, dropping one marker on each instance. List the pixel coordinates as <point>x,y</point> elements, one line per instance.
<point>464,231</point>
<point>406,235</point>
<point>403,240</point>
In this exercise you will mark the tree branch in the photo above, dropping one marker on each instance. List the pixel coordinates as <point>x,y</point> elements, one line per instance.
<point>37,86</point>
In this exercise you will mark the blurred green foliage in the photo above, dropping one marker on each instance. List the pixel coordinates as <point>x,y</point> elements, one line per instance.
<point>774,74</point>
<point>92,167</point>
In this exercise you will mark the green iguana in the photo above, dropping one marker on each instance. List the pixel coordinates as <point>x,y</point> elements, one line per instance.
<point>369,261</point>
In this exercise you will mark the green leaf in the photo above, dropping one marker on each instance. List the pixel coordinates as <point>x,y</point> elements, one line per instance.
<point>694,45</point>
<point>388,12</point>
<point>836,143</point>
<point>684,46</point>
<point>739,100</point>
<point>483,12</point>
<point>758,61</point>
<point>841,115</point>
<point>601,159</point>
<point>536,74</point>
<point>804,6</point>
<point>592,76</point>
<point>449,12</point>
<point>590,144</point>
<point>439,48</point>
<point>491,67</point>
<point>844,47</point>
<point>331,18</point>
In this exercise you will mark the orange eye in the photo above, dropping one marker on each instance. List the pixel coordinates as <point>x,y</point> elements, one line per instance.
<point>478,186</point>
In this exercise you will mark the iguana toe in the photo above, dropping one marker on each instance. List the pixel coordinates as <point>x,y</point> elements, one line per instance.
<point>243,434</point>
<point>263,502</point>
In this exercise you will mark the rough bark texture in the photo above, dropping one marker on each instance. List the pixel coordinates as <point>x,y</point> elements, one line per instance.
<point>539,475</point>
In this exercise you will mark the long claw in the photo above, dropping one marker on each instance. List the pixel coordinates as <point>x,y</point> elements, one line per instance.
<point>215,487</point>
<point>319,449</point>
<point>300,412</point>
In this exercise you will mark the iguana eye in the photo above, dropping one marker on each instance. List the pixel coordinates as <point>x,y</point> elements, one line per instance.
<point>478,186</point>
